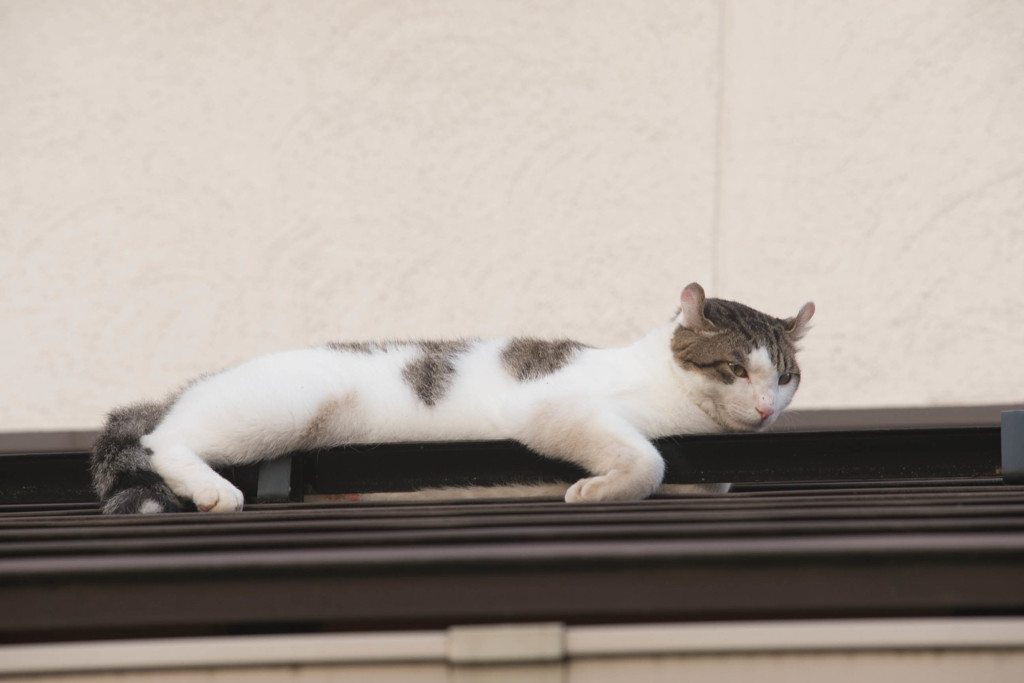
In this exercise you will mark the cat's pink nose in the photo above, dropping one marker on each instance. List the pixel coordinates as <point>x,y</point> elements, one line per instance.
<point>765,412</point>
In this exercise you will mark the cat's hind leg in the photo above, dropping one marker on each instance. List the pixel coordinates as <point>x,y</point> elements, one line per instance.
<point>189,477</point>
<point>625,465</point>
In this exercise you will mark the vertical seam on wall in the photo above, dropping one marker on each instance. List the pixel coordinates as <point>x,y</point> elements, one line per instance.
<point>716,209</point>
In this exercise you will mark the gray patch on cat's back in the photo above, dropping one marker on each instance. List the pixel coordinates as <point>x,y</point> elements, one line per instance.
<point>527,359</point>
<point>430,374</point>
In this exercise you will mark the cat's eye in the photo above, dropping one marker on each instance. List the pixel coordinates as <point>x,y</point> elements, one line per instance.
<point>785,378</point>
<point>738,369</point>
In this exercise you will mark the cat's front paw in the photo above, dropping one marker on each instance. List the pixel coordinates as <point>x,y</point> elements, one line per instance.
<point>612,486</point>
<point>218,495</point>
<point>575,494</point>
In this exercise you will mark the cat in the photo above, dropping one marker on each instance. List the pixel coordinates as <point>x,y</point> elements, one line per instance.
<point>714,366</point>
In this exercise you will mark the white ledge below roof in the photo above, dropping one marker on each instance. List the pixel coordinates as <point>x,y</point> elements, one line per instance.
<point>520,643</point>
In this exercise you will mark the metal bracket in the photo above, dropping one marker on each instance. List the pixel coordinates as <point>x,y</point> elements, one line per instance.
<point>1012,437</point>
<point>275,481</point>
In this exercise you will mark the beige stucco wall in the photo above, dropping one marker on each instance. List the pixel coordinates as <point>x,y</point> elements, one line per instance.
<point>186,184</point>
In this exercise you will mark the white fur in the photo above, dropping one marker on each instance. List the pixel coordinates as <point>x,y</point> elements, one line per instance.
<point>599,411</point>
<point>149,507</point>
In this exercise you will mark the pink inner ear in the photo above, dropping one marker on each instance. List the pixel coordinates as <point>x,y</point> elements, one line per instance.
<point>692,293</point>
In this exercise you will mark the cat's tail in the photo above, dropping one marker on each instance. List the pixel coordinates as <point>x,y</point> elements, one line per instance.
<point>122,474</point>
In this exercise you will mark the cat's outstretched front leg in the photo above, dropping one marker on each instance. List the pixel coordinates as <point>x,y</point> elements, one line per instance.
<point>189,477</point>
<point>624,463</point>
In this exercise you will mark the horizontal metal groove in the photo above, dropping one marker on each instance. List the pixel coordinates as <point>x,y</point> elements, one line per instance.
<point>413,525</point>
<point>298,540</point>
<point>888,484</point>
<point>1005,501</point>
<point>821,490</point>
<point>526,556</point>
<point>824,490</point>
<point>964,503</point>
<point>1008,505</point>
<point>406,532</point>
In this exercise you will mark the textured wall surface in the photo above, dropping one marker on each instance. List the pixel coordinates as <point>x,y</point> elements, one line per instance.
<point>186,184</point>
<point>878,148</point>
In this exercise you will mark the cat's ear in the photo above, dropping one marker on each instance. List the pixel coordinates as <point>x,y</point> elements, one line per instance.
<point>797,326</point>
<point>691,309</point>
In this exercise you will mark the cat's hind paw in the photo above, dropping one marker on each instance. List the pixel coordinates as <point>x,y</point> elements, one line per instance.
<point>218,495</point>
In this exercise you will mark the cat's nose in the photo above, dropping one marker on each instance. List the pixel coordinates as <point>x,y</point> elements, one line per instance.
<point>764,411</point>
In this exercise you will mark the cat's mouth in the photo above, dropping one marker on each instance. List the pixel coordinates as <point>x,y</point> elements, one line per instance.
<point>745,423</point>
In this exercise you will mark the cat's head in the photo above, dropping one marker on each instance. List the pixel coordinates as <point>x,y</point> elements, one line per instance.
<point>742,362</point>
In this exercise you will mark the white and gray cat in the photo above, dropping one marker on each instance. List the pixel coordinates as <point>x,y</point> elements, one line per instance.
<point>715,366</point>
